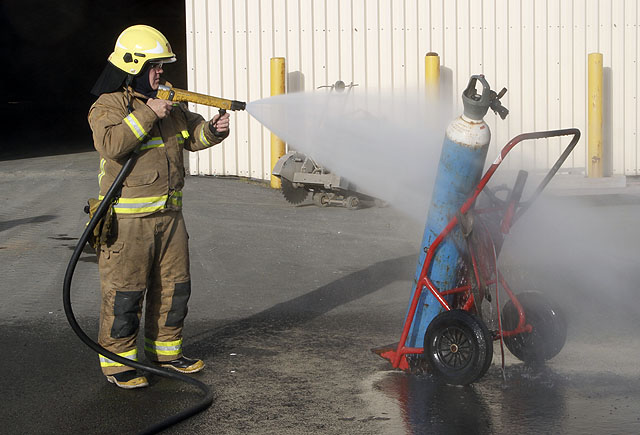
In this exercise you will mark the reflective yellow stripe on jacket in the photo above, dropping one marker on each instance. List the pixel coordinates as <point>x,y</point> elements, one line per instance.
<point>106,362</point>
<point>148,204</point>
<point>135,126</point>
<point>175,199</point>
<point>167,348</point>
<point>184,135</point>
<point>203,138</point>
<point>156,142</point>
<point>101,174</point>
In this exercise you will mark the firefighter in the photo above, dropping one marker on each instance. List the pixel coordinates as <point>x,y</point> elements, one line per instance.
<point>145,259</point>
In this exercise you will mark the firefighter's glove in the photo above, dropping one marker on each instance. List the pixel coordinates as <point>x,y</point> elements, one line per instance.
<point>104,232</point>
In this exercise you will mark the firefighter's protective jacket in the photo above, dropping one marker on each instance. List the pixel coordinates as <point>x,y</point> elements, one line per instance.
<point>157,178</point>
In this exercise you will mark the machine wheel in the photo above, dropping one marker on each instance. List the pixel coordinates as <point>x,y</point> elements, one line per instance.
<point>352,202</point>
<point>458,347</point>
<point>549,328</point>
<point>321,199</point>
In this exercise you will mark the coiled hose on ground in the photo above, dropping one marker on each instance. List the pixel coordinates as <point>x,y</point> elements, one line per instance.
<point>207,400</point>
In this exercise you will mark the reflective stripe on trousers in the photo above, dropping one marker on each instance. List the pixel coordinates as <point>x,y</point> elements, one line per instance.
<point>106,362</point>
<point>166,348</point>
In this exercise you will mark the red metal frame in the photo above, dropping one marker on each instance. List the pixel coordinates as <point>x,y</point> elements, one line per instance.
<point>398,357</point>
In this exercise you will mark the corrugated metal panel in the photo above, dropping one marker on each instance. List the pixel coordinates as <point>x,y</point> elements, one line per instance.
<point>537,49</point>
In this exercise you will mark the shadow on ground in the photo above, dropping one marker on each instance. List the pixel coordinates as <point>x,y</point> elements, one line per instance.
<point>5,225</point>
<point>307,307</point>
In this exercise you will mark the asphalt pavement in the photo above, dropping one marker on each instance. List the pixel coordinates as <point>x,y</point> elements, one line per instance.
<point>287,303</point>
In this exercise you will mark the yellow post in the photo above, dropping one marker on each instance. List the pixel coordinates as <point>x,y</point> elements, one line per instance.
<point>595,115</point>
<point>277,88</point>
<point>432,74</point>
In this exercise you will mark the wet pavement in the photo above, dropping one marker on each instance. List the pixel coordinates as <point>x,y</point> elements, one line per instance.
<point>287,303</point>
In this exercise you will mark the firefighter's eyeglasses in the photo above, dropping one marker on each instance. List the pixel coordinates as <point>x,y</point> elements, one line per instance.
<point>157,65</point>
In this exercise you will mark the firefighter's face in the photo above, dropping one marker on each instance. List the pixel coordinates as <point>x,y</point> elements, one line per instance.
<point>154,75</point>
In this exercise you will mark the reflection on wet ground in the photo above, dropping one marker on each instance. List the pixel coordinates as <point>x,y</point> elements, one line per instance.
<point>527,400</point>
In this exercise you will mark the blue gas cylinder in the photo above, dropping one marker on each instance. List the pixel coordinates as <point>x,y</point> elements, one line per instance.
<point>462,160</point>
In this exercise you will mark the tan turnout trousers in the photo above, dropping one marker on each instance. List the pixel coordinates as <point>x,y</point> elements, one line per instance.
<point>150,257</point>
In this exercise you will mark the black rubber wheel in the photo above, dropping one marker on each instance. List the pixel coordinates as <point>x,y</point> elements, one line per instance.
<point>458,347</point>
<point>549,328</point>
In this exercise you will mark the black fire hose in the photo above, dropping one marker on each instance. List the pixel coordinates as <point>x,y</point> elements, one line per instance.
<point>207,400</point>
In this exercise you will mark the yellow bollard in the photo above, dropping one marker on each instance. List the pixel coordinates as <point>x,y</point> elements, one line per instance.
<point>432,74</point>
<point>595,115</point>
<point>277,88</point>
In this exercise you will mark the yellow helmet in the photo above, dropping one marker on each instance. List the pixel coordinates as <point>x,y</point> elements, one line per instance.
<point>138,45</point>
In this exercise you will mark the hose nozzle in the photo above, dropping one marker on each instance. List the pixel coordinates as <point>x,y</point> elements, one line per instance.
<point>174,94</point>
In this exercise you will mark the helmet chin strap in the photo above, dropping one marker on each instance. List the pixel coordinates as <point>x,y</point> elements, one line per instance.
<point>127,84</point>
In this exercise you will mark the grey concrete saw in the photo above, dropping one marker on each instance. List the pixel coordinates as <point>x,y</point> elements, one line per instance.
<point>300,174</point>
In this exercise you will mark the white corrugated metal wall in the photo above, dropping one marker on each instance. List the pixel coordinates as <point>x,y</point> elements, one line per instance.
<point>536,48</point>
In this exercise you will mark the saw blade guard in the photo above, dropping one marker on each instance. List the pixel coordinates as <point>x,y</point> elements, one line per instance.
<point>288,165</point>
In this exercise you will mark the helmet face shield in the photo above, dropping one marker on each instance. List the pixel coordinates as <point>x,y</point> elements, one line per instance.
<point>138,45</point>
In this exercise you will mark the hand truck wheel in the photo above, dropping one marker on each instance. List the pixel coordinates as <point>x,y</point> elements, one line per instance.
<point>549,328</point>
<point>458,347</point>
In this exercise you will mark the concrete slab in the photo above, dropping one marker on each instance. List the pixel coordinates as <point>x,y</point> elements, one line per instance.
<point>287,302</point>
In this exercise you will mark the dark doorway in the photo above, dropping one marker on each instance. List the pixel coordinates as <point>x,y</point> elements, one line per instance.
<point>53,52</point>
